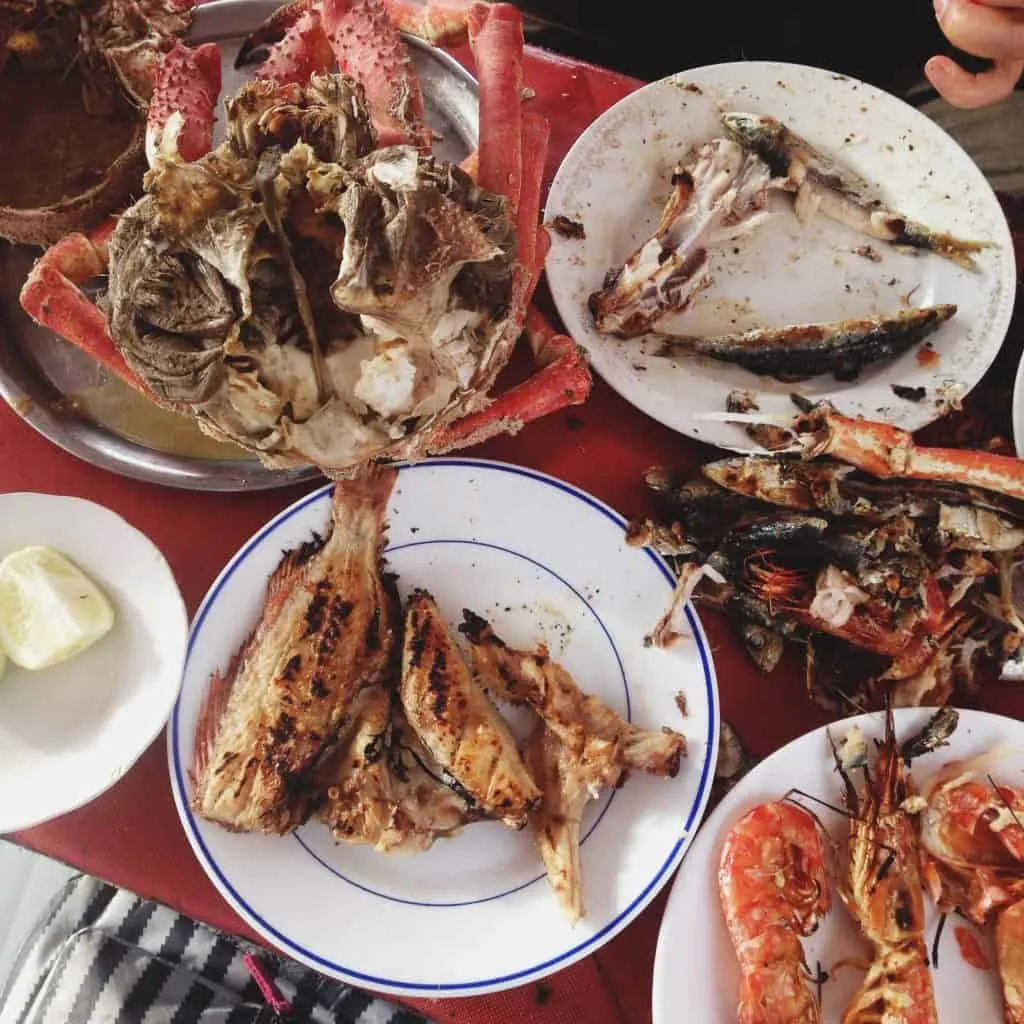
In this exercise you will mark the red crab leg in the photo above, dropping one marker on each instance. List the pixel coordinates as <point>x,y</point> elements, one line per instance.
<point>51,296</point>
<point>885,451</point>
<point>368,47</point>
<point>565,380</point>
<point>182,109</point>
<point>471,165</point>
<point>303,50</point>
<point>443,23</point>
<point>536,134</point>
<point>496,38</point>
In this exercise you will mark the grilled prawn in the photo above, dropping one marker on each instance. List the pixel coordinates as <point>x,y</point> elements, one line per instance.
<point>884,894</point>
<point>773,885</point>
<point>327,631</point>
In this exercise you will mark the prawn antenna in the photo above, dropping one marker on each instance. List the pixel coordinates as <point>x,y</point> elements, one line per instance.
<point>1003,800</point>
<point>935,942</point>
<point>794,790</point>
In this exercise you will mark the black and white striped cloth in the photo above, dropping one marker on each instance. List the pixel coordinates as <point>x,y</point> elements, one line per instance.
<point>102,955</point>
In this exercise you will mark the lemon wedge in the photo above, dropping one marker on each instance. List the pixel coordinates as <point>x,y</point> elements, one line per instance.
<point>49,609</point>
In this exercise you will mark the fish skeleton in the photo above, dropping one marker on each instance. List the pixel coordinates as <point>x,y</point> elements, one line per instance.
<point>720,195</point>
<point>822,184</point>
<point>840,347</point>
<point>327,630</point>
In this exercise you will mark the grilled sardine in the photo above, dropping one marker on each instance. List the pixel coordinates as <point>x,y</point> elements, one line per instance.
<point>820,184</point>
<point>841,347</point>
<point>457,723</point>
<point>328,629</point>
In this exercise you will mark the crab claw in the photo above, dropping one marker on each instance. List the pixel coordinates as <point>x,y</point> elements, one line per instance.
<point>182,109</point>
<point>303,50</point>
<point>368,47</point>
<point>52,297</point>
<point>273,30</point>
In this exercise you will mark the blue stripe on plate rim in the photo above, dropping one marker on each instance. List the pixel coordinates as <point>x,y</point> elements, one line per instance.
<point>612,793</point>
<point>570,956</point>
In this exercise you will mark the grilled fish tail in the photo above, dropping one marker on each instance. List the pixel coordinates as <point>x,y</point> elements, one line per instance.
<point>822,184</point>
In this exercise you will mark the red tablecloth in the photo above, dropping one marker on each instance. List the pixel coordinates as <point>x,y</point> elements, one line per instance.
<point>131,836</point>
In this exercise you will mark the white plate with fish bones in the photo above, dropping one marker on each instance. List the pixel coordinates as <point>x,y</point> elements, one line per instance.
<point>542,561</point>
<point>616,178</point>
<point>704,976</point>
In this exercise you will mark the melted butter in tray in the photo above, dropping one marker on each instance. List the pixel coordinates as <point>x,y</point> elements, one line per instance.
<point>123,411</point>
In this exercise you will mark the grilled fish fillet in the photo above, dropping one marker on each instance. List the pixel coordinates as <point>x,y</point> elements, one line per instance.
<point>569,782</point>
<point>457,723</point>
<point>328,629</point>
<point>382,786</point>
<point>575,717</point>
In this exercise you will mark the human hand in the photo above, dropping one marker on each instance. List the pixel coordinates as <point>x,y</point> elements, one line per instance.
<point>993,29</point>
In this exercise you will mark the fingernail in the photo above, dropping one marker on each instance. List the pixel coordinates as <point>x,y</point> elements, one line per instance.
<point>940,8</point>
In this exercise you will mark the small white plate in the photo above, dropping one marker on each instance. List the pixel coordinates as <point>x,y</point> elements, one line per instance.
<point>703,976</point>
<point>474,914</point>
<point>68,733</point>
<point>615,180</point>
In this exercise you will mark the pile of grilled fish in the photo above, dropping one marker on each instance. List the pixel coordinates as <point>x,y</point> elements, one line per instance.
<point>344,706</point>
<point>893,589</point>
<point>723,194</point>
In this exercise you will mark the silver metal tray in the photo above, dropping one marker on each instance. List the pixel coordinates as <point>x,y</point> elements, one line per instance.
<point>74,403</point>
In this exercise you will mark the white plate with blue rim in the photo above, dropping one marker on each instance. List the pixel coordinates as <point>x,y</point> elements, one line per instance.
<point>474,914</point>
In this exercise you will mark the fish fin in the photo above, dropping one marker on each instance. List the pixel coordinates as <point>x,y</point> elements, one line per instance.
<point>373,485</point>
<point>211,712</point>
<point>280,583</point>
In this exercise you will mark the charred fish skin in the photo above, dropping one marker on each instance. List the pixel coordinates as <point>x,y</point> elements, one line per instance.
<point>820,183</point>
<point>840,347</point>
<point>456,721</point>
<point>327,630</point>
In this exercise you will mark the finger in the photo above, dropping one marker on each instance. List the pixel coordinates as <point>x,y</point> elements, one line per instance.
<point>993,32</point>
<point>1012,4</point>
<point>962,89</point>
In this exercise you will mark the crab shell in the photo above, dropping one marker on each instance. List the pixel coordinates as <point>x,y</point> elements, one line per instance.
<point>131,35</point>
<point>46,225</point>
<point>209,217</point>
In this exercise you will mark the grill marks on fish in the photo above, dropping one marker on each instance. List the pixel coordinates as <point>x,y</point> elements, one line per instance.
<point>327,630</point>
<point>821,184</point>
<point>456,721</point>
<point>841,347</point>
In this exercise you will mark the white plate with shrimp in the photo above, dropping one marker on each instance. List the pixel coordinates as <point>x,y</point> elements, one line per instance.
<point>704,976</point>
<point>542,561</point>
<point>615,181</point>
